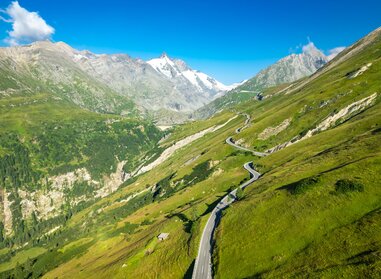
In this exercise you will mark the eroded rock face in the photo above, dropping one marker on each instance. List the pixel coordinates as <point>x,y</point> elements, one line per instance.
<point>68,179</point>
<point>217,172</point>
<point>360,71</point>
<point>273,131</point>
<point>112,182</point>
<point>180,144</point>
<point>332,120</point>
<point>8,222</point>
<point>47,202</point>
<point>343,114</point>
<point>288,69</point>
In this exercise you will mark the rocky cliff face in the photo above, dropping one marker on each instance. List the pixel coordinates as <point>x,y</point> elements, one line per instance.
<point>67,190</point>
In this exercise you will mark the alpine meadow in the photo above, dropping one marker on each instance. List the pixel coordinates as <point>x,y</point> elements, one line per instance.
<point>139,166</point>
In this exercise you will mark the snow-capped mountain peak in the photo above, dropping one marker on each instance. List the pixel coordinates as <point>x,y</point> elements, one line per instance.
<point>164,55</point>
<point>164,65</point>
<point>175,69</point>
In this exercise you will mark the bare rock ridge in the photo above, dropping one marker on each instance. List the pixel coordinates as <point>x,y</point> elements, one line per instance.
<point>289,69</point>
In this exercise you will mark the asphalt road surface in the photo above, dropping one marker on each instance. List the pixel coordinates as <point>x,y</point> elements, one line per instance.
<point>230,141</point>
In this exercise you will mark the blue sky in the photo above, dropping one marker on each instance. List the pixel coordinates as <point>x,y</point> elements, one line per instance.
<point>229,40</point>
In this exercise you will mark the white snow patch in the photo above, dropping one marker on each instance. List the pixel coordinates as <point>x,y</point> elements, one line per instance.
<point>167,67</point>
<point>163,65</point>
<point>78,57</point>
<point>235,85</point>
<point>192,77</point>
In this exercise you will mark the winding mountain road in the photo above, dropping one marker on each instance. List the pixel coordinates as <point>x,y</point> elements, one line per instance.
<point>203,265</point>
<point>230,141</point>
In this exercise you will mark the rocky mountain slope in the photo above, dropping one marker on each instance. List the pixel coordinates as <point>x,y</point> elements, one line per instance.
<point>286,70</point>
<point>45,67</point>
<point>177,70</point>
<point>108,83</point>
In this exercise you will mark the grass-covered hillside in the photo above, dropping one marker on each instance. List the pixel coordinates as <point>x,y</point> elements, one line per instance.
<point>316,210</point>
<point>239,95</point>
<point>117,235</point>
<point>227,101</point>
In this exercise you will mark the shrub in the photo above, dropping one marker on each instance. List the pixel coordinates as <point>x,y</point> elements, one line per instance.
<point>301,186</point>
<point>199,173</point>
<point>346,186</point>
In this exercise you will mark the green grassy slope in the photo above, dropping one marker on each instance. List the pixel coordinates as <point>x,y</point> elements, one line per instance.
<point>227,101</point>
<point>282,228</point>
<point>117,238</point>
<point>298,220</point>
<point>62,136</point>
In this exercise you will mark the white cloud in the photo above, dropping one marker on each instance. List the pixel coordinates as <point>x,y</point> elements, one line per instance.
<point>27,26</point>
<point>310,47</point>
<point>335,51</point>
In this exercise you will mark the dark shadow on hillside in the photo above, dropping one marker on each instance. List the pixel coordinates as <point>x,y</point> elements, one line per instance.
<point>189,272</point>
<point>376,131</point>
<point>211,207</point>
<point>346,164</point>
<point>187,223</point>
<point>301,186</point>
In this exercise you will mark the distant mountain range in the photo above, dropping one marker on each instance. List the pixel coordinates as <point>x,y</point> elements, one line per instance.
<point>163,88</point>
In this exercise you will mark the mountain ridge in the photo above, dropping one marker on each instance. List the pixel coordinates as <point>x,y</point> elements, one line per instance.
<point>107,82</point>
